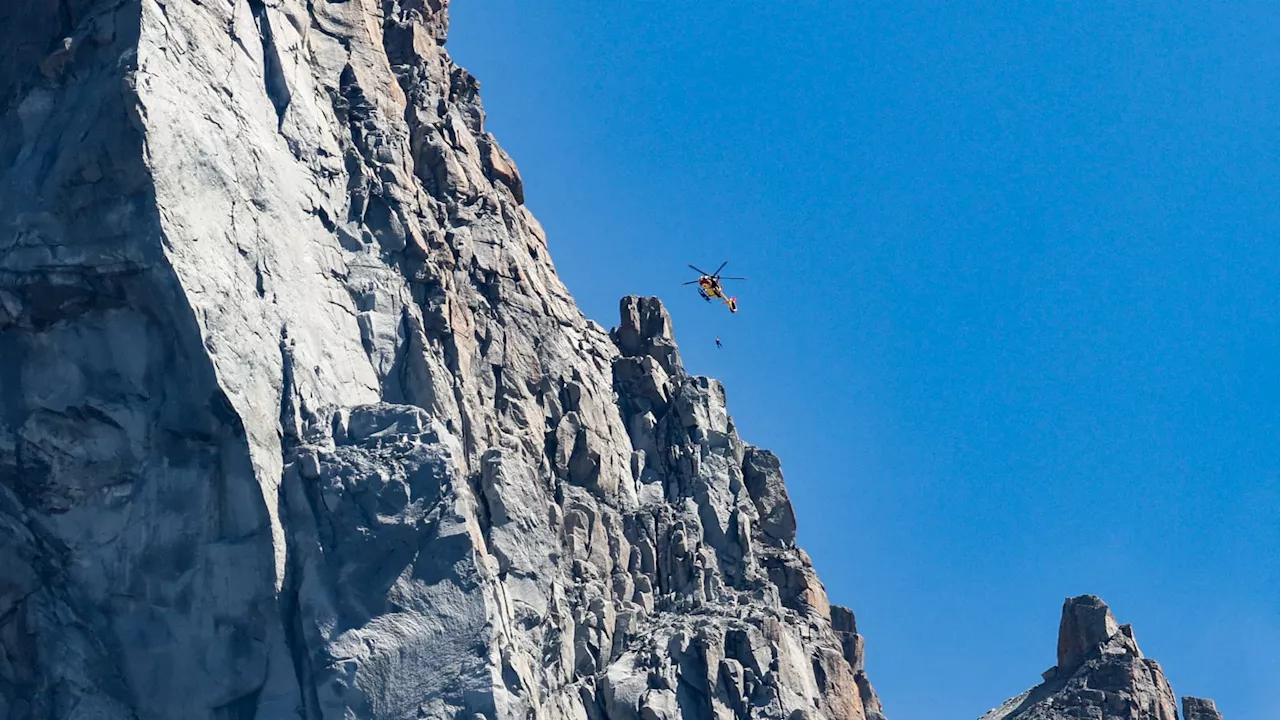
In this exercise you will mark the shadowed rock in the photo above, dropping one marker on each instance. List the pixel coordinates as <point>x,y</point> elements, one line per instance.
<point>1199,709</point>
<point>763,474</point>
<point>1086,623</point>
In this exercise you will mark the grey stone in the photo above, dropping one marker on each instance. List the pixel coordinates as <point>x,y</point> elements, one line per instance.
<point>299,420</point>
<point>645,331</point>
<point>763,475</point>
<point>371,422</point>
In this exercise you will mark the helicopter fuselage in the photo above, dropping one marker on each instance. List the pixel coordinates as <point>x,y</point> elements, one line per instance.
<point>710,286</point>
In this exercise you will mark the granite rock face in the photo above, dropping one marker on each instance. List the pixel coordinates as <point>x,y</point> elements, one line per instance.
<point>297,420</point>
<point>1101,674</point>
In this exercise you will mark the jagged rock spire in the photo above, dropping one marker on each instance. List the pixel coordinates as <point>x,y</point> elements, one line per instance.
<point>645,330</point>
<point>1086,623</point>
<point>1101,673</point>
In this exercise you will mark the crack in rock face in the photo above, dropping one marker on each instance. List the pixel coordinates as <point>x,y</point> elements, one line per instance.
<point>298,421</point>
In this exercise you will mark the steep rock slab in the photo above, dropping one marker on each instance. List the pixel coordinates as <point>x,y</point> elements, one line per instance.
<point>143,580</point>
<point>298,421</point>
<point>1101,674</point>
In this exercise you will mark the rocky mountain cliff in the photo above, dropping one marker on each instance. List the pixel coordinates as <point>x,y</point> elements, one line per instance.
<point>297,420</point>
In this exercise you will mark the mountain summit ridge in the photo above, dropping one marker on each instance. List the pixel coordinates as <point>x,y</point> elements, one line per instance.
<point>1100,673</point>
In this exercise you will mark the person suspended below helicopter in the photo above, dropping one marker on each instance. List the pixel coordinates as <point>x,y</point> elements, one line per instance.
<point>710,287</point>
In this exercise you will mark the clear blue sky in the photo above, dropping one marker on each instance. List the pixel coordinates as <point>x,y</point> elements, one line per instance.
<point>1012,320</point>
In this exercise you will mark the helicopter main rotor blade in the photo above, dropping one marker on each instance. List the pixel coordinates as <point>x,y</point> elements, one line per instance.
<point>691,282</point>
<point>733,278</point>
<point>700,272</point>
<point>717,272</point>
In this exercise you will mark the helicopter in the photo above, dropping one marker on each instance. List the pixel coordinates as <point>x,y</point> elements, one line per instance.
<point>709,286</point>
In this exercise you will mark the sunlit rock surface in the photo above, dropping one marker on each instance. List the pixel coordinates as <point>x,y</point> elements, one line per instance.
<point>297,420</point>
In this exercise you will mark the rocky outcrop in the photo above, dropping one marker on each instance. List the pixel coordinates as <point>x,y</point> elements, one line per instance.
<point>846,627</point>
<point>1086,623</point>
<point>297,420</point>
<point>1198,709</point>
<point>1101,673</point>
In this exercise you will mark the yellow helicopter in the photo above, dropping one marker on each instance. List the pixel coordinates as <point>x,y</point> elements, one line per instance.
<point>709,286</point>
